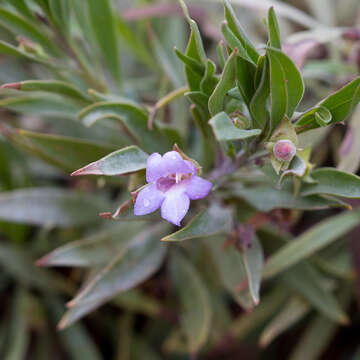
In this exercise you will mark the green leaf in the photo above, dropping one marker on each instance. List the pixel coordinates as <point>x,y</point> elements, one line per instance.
<point>234,43</point>
<point>22,7</point>
<point>167,62</point>
<point>226,83</point>
<point>93,250</point>
<point>51,86</point>
<point>126,270</point>
<point>310,345</point>
<point>195,307</point>
<point>60,11</point>
<point>340,104</point>
<point>133,117</point>
<point>246,323</point>
<point>8,49</point>
<point>333,182</point>
<point>135,43</point>
<point>308,282</point>
<point>42,104</point>
<point>21,26</point>
<point>290,314</point>
<point>137,302</point>
<point>195,47</point>
<point>245,73</point>
<point>18,335</point>
<point>273,27</point>
<point>215,220</point>
<point>253,258</point>
<point>76,341</point>
<point>125,161</point>
<point>191,63</point>
<point>20,266</point>
<point>236,28</point>
<point>103,26</point>
<point>225,130</point>
<point>50,207</point>
<point>258,103</point>
<point>231,270</point>
<point>286,86</point>
<point>266,198</point>
<point>209,81</point>
<point>311,241</point>
<point>64,152</point>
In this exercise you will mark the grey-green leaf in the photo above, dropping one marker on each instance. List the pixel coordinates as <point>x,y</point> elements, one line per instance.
<point>126,270</point>
<point>50,207</point>
<point>311,241</point>
<point>103,26</point>
<point>226,83</point>
<point>125,161</point>
<point>225,130</point>
<point>212,221</point>
<point>333,182</point>
<point>195,306</point>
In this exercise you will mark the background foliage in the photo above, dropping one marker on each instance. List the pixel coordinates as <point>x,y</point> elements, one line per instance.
<point>84,79</point>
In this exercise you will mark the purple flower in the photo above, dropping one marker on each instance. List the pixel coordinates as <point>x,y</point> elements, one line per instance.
<point>172,183</point>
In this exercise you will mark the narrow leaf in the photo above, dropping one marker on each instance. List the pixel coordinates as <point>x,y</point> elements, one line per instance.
<point>120,162</point>
<point>310,242</point>
<point>50,207</point>
<point>215,220</point>
<point>103,26</point>
<point>195,306</point>
<point>226,83</point>
<point>126,270</point>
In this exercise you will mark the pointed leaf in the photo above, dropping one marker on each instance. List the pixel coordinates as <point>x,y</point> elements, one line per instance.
<point>93,250</point>
<point>236,28</point>
<point>274,32</point>
<point>133,117</point>
<point>125,161</point>
<point>126,270</point>
<point>215,220</point>
<point>51,86</point>
<point>50,207</point>
<point>64,152</point>
<point>253,258</point>
<point>311,241</point>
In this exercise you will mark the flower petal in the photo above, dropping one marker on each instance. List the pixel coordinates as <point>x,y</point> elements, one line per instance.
<point>175,207</point>
<point>174,163</point>
<point>154,167</point>
<point>148,200</point>
<point>198,188</point>
<point>192,166</point>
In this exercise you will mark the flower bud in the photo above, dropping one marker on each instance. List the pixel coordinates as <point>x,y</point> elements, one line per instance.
<point>284,150</point>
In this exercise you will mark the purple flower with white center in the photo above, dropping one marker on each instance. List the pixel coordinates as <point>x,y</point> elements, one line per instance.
<point>172,183</point>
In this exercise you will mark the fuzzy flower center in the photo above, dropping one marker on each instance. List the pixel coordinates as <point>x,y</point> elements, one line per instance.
<point>165,183</point>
